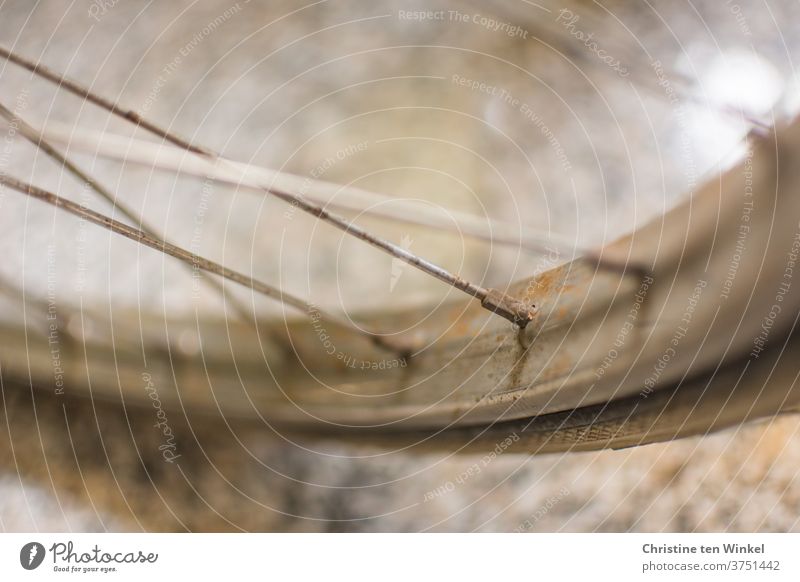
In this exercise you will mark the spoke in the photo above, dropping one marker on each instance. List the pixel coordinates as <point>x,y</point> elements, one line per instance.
<point>516,311</point>
<point>326,194</point>
<point>37,139</point>
<point>77,89</point>
<point>190,258</point>
<point>494,300</point>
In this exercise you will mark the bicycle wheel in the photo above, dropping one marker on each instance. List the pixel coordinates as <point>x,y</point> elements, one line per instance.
<point>615,353</point>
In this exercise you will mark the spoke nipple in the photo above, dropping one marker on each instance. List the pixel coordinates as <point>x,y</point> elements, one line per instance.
<point>401,349</point>
<point>516,311</point>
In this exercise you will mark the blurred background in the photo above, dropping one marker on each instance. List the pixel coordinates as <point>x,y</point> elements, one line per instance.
<point>578,119</point>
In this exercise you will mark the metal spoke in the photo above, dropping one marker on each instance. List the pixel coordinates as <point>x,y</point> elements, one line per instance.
<point>190,258</point>
<point>77,89</point>
<point>326,194</point>
<point>494,300</point>
<point>37,139</point>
